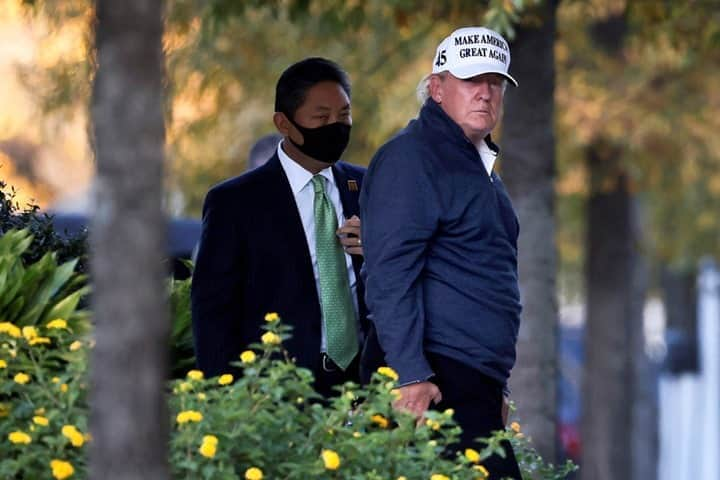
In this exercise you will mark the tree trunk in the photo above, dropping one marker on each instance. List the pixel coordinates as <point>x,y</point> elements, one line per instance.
<point>128,418</point>
<point>529,171</point>
<point>613,322</point>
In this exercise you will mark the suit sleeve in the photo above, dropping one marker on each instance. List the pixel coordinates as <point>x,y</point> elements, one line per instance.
<point>216,289</point>
<point>400,211</point>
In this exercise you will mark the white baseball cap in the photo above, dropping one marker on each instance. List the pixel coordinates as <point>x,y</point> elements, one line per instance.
<point>472,51</point>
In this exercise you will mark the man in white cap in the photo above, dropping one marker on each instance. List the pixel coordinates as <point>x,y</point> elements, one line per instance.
<point>440,242</point>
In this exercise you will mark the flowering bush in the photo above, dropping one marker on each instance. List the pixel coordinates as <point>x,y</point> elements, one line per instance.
<point>268,423</point>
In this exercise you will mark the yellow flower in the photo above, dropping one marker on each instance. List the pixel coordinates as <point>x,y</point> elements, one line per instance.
<point>272,317</point>
<point>21,378</point>
<point>55,379</point>
<point>73,434</point>
<point>61,469</point>
<point>76,345</point>
<point>19,437</point>
<point>515,426</point>
<point>253,473</point>
<point>210,439</point>
<point>449,412</point>
<point>331,459</point>
<point>39,341</point>
<point>189,416</point>
<point>482,470</point>
<point>396,393</point>
<point>248,356</point>
<point>208,449</point>
<point>29,332</point>
<point>270,338</point>
<point>185,387</point>
<point>201,396</point>
<point>437,476</point>
<point>39,420</point>
<point>433,424</point>
<point>3,364</point>
<point>472,455</point>
<point>10,329</point>
<point>388,372</point>
<point>226,379</point>
<point>195,375</point>
<point>57,323</point>
<point>380,420</point>
<point>64,388</point>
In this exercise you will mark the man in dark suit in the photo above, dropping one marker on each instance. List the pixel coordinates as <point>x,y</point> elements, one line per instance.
<point>271,241</point>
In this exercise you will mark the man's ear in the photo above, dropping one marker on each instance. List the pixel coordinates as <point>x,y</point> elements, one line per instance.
<point>436,88</point>
<point>281,123</point>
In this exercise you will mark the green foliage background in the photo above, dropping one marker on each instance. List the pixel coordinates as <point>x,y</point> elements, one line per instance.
<point>652,95</point>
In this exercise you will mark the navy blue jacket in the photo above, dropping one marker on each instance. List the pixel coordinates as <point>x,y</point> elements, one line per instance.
<point>254,259</point>
<point>440,243</point>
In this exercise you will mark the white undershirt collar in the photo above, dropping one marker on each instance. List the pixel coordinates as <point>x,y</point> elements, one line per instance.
<point>297,175</point>
<point>488,156</point>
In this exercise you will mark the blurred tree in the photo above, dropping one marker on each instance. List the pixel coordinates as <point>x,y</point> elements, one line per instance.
<point>128,415</point>
<point>634,84</point>
<point>528,140</point>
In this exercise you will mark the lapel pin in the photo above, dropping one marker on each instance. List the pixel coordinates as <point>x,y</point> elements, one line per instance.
<point>352,186</point>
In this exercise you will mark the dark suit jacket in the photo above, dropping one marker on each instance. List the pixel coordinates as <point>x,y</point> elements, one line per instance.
<point>254,259</point>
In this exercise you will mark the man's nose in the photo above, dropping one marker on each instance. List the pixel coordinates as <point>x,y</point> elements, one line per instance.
<point>482,90</point>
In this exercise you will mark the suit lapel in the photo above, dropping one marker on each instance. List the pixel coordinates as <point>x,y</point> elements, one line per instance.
<point>289,224</point>
<point>348,198</point>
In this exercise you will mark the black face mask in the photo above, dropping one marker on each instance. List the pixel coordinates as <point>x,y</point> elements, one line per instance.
<point>325,143</point>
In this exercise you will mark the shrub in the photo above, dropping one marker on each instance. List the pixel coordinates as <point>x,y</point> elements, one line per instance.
<point>42,363</point>
<point>40,226</point>
<point>40,292</point>
<point>182,353</point>
<point>268,423</point>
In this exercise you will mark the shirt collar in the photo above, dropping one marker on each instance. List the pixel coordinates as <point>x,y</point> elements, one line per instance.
<point>488,156</point>
<point>435,121</point>
<point>297,175</point>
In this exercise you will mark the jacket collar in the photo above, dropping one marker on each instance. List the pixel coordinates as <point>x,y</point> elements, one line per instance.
<point>435,122</point>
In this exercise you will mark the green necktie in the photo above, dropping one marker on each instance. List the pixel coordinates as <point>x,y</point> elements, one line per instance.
<point>337,306</point>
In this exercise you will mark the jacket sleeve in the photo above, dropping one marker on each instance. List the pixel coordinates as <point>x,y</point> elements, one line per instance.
<point>400,211</point>
<point>216,289</point>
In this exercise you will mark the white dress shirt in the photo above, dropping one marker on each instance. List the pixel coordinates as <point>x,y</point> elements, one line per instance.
<point>304,193</point>
<point>488,156</point>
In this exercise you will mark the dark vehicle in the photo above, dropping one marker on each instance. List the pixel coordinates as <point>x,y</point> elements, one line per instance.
<point>182,236</point>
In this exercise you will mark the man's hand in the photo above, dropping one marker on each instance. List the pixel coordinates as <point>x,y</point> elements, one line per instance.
<point>416,397</point>
<point>349,234</point>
